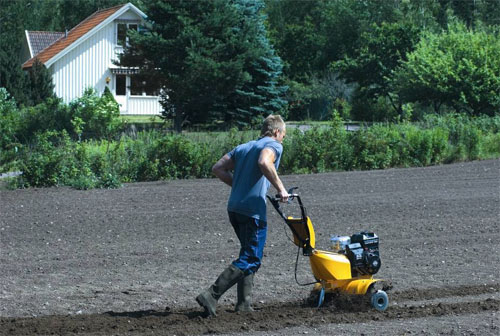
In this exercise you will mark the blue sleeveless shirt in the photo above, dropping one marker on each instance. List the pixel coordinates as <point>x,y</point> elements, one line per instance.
<point>248,193</point>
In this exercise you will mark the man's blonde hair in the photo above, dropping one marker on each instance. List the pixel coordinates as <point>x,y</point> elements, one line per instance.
<point>271,123</point>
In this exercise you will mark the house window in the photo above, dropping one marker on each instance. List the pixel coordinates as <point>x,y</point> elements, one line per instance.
<point>136,86</point>
<point>139,86</point>
<point>121,85</point>
<point>121,32</point>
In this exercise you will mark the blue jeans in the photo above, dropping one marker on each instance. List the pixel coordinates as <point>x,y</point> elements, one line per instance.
<point>252,234</point>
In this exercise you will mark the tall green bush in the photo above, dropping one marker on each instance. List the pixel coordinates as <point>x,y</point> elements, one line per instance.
<point>464,138</point>
<point>132,157</point>
<point>49,161</point>
<point>9,120</point>
<point>51,115</point>
<point>87,117</point>
<point>39,83</point>
<point>53,159</point>
<point>96,115</point>
<point>373,147</point>
<point>178,157</point>
<point>458,68</point>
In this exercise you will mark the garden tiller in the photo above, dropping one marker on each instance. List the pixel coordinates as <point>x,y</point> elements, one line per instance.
<point>347,269</point>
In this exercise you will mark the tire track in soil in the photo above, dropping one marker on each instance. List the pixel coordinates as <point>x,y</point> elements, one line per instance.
<point>266,318</point>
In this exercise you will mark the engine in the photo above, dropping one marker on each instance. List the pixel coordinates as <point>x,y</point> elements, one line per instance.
<point>363,253</point>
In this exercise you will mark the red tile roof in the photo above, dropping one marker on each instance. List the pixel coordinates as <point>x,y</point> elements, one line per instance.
<point>40,40</point>
<point>74,34</point>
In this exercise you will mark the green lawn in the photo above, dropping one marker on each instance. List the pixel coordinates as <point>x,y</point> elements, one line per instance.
<point>141,119</point>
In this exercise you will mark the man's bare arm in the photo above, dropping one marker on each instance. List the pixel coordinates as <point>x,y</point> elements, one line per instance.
<point>266,165</point>
<point>222,169</point>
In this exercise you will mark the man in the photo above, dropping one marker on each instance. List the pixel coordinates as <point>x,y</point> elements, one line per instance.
<point>255,165</point>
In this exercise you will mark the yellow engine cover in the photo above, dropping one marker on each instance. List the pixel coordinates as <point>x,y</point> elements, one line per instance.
<point>357,286</point>
<point>329,266</point>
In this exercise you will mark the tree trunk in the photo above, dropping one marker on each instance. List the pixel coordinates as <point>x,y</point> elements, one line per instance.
<point>178,120</point>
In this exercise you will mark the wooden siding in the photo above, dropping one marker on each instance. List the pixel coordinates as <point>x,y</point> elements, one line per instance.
<point>85,66</point>
<point>88,65</point>
<point>143,105</point>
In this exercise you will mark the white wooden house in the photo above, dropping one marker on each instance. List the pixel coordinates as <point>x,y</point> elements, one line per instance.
<point>83,57</point>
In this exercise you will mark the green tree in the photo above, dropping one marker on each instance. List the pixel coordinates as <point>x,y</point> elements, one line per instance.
<point>95,117</point>
<point>262,93</point>
<point>206,56</point>
<point>12,77</point>
<point>488,12</point>
<point>51,115</point>
<point>39,83</point>
<point>294,30</point>
<point>465,10</point>
<point>423,13</point>
<point>382,49</point>
<point>12,17</point>
<point>9,120</point>
<point>308,35</point>
<point>29,88</point>
<point>459,68</point>
<point>473,13</point>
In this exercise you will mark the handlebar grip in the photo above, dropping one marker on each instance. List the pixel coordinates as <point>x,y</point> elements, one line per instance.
<point>290,196</point>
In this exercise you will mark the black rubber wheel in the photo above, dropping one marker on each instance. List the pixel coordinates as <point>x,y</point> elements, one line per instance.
<point>379,300</point>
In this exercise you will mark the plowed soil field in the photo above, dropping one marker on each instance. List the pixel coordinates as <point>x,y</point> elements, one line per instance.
<point>130,261</point>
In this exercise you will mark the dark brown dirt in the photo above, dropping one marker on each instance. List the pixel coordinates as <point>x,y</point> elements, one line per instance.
<point>130,261</point>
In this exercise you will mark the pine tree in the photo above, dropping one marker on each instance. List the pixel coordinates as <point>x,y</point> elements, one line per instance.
<point>210,58</point>
<point>39,83</point>
<point>12,77</point>
<point>262,94</point>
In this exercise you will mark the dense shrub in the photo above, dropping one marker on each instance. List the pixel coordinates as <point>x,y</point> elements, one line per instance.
<point>53,159</point>
<point>318,149</point>
<point>490,146</point>
<point>9,125</point>
<point>372,148</point>
<point>465,133</point>
<point>49,160</point>
<point>95,116</point>
<point>90,116</point>
<point>440,139</point>
<point>178,157</point>
<point>9,119</point>
<point>51,115</point>
<point>458,68</point>
<point>132,157</point>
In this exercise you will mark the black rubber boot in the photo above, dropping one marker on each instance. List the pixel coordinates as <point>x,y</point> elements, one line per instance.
<point>209,297</point>
<point>245,286</point>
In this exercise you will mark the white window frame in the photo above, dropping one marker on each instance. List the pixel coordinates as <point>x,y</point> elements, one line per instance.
<point>128,24</point>
<point>129,87</point>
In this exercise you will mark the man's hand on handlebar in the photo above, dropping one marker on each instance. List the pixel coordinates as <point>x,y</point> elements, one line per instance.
<point>283,196</point>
